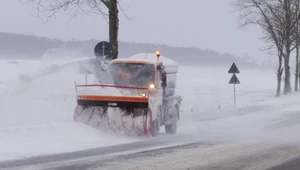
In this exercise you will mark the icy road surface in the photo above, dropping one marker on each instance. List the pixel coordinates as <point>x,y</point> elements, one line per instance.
<point>37,101</point>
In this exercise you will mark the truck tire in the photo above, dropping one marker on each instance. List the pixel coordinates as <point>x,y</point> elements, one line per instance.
<point>154,128</point>
<point>156,123</point>
<point>158,118</point>
<point>172,128</point>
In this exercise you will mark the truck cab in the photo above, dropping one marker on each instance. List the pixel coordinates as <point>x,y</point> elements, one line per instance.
<point>159,77</point>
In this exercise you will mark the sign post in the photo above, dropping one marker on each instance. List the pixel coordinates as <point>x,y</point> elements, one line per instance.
<point>234,80</point>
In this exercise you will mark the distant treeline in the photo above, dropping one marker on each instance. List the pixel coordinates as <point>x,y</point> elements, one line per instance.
<point>17,46</point>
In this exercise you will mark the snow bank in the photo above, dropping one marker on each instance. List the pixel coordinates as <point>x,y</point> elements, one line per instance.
<point>51,138</point>
<point>207,88</point>
<point>208,111</point>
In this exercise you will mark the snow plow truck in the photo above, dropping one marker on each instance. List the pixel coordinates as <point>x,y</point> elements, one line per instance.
<point>138,101</point>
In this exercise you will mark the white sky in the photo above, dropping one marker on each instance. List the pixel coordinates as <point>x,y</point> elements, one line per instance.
<point>211,24</point>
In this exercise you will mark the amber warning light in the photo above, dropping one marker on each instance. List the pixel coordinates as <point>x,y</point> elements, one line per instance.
<point>157,55</point>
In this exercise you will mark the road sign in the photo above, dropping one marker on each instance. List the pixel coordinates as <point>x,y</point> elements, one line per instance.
<point>103,50</point>
<point>234,80</point>
<point>233,69</point>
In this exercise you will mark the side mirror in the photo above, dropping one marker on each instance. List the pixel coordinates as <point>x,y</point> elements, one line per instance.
<point>163,80</point>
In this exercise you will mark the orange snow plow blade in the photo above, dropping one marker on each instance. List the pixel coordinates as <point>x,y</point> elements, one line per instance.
<point>121,114</point>
<point>113,101</point>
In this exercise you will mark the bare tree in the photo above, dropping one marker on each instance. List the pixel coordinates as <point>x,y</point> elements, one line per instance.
<point>273,33</point>
<point>288,22</point>
<point>278,19</point>
<point>297,45</point>
<point>107,8</point>
<point>254,12</point>
<point>289,18</point>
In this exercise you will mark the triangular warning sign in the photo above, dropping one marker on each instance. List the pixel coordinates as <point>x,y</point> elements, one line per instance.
<point>234,80</point>
<point>233,69</point>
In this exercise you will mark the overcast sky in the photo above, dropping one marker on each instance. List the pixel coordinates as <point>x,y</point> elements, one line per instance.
<point>211,24</point>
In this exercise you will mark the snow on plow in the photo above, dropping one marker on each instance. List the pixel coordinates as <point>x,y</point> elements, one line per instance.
<point>121,114</point>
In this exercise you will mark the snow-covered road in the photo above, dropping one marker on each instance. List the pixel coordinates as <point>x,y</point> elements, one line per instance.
<point>36,112</point>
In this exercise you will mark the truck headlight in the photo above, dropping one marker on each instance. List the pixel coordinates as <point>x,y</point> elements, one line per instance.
<point>151,86</point>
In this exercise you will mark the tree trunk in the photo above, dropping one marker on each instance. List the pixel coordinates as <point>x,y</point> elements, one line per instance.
<point>287,83</point>
<point>287,37</point>
<point>297,48</point>
<point>298,73</point>
<point>297,68</point>
<point>114,27</point>
<point>279,75</point>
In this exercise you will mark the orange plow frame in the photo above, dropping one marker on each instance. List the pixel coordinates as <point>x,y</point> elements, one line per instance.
<point>136,106</point>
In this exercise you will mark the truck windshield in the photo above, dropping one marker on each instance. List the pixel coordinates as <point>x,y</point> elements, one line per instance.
<point>132,74</point>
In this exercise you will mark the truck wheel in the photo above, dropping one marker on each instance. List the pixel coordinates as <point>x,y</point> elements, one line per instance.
<point>154,131</point>
<point>156,123</point>
<point>172,128</point>
<point>158,119</point>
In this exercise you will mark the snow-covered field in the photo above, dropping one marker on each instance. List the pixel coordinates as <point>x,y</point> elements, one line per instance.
<point>37,101</point>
